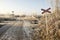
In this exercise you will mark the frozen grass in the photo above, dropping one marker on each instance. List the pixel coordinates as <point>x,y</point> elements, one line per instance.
<point>39,33</point>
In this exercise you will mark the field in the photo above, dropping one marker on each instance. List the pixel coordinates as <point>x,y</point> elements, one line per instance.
<point>49,30</point>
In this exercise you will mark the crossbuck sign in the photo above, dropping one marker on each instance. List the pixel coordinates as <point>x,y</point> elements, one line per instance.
<point>47,10</point>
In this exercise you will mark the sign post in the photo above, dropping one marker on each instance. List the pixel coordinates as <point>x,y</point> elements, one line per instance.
<point>13,12</point>
<point>46,12</point>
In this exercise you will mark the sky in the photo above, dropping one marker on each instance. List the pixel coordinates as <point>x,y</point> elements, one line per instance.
<point>23,6</point>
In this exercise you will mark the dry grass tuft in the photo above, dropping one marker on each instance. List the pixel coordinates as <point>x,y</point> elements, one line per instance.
<point>39,33</point>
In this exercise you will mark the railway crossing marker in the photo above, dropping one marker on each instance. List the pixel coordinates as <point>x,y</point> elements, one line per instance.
<point>46,12</point>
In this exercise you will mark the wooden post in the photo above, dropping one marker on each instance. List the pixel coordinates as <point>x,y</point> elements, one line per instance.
<point>46,19</point>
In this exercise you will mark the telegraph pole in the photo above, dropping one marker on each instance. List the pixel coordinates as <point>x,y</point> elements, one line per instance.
<point>56,7</point>
<point>13,14</point>
<point>57,12</point>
